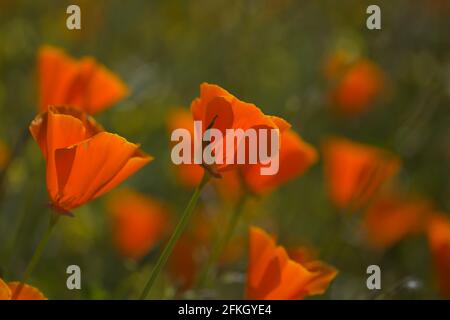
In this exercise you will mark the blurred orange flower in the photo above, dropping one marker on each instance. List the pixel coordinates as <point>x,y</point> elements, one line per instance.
<point>272,274</point>
<point>192,250</point>
<point>295,157</point>
<point>84,83</point>
<point>138,222</point>
<point>184,263</point>
<point>4,155</point>
<point>355,172</point>
<point>219,109</point>
<point>356,85</point>
<point>391,217</point>
<point>27,292</point>
<point>336,63</point>
<point>439,242</point>
<point>83,162</point>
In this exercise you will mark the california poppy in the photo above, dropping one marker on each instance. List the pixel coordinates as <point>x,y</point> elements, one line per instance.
<point>272,274</point>
<point>355,172</point>
<point>189,175</point>
<point>218,109</point>
<point>439,242</point>
<point>356,85</point>
<point>138,222</point>
<point>83,162</point>
<point>391,217</point>
<point>27,292</point>
<point>84,83</point>
<point>295,157</point>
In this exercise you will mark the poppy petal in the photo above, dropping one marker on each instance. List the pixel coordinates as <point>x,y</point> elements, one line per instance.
<point>27,293</point>
<point>5,291</point>
<point>97,167</point>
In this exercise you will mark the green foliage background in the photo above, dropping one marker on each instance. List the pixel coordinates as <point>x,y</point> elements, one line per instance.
<point>268,52</point>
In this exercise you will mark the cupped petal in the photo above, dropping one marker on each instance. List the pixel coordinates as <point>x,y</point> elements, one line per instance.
<point>96,87</point>
<point>97,165</point>
<point>83,83</point>
<point>138,160</point>
<point>27,292</point>
<point>56,72</point>
<point>273,275</point>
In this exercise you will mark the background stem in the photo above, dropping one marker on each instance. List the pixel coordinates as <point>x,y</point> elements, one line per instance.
<point>37,254</point>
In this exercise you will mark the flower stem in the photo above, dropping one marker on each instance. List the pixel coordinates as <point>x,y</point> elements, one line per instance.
<point>37,254</point>
<point>221,244</point>
<point>175,236</point>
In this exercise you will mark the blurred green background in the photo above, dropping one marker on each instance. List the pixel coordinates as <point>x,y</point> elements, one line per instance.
<point>269,52</point>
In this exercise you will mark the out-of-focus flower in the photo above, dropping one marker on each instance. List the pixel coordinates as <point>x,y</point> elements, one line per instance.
<point>272,274</point>
<point>355,85</point>
<point>27,293</point>
<point>4,155</point>
<point>191,251</point>
<point>439,242</point>
<point>355,172</point>
<point>217,108</point>
<point>184,263</point>
<point>295,157</point>
<point>83,162</point>
<point>138,222</point>
<point>336,64</point>
<point>84,83</point>
<point>392,217</point>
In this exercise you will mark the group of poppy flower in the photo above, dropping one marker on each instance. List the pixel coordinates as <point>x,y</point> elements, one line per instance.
<point>83,162</point>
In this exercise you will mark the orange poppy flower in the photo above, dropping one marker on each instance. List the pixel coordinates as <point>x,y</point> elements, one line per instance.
<point>273,275</point>
<point>190,175</point>
<point>27,293</point>
<point>355,172</point>
<point>83,83</point>
<point>83,162</point>
<point>357,88</point>
<point>392,217</point>
<point>295,157</point>
<point>217,108</point>
<point>138,222</point>
<point>4,155</point>
<point>439,242</point>
<point>325,273</point>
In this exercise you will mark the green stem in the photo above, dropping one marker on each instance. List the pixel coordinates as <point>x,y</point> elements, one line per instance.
<point>221,244</point>
<point>37,254</point>
<point>23,215</point>
<point>175,236</point>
